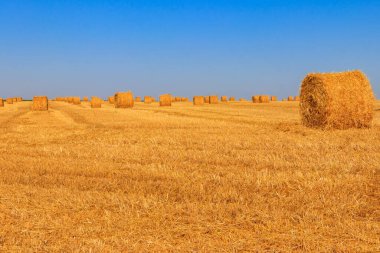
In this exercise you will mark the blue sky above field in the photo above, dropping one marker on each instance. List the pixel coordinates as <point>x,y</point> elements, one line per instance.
<point>188,47</point>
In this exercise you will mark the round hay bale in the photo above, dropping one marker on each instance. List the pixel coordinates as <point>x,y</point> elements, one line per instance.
<point>40,103</point>
<point>290,98</point>
<point>9,101</point>
<point>198,100</point>
<point>124,100</point>
<point>232,99</point>
<point>1,102</point>
<point>85,99</point>
<point>96,102</point>
<point>165,100</point>
<point>19,99</point>
<point>177,99</point>
<point>273,98</point>
<point>256,99</point>
<point>214,100</point>
<point>14,100</point>
<point>76,101</point>
<point>207,99</point>
<point>184,99</point>
<point>337,100</point>
<point>138,99</point>
<point>296,98</point>
<point>264,99</point>
<point>223,98</point>
<point>111,100</point>
<point>147,99</point>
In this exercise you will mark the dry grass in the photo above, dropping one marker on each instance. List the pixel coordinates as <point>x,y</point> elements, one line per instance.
<point>237,177</point>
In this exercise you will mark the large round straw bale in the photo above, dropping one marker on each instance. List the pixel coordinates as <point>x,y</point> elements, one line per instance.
<point>9,101</point>
<point>207,99</point>
<point>85,99</point>
<point>138,99</point>
<point>96,102</point>
<point>1,102</point>
<point>337,100</point>
<point>273,98</point>
<point>290,98</point>
<point>232,99</point>
<point>147,99</point>
<point>223,98</point>
<point>124,100</point>
<point>214,99</point>
<point>256,99</point>
<point>264,99</point>
<point>198,100</point>
<point>40,103</point>
<point>76,101</point>
<point>165,100</point>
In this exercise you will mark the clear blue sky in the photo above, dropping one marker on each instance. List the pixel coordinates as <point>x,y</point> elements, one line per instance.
<point>188,47</point>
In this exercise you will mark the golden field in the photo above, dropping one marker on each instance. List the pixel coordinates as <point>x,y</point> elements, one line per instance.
<point>231,177</point>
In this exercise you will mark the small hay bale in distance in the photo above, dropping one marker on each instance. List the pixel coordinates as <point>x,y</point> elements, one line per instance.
<point>296,98</point>
<point>76,101</point>
<point>207,99</point>
<point>19,99</point>
<point>1,102</point>
<point>264,99</point>
<point>124,100</point>
<point>40,103</point>
<point>337,100</point>
<point>273,98</point>
<point>290,98</point>
<point>256,99</point>
<point>177,99</point>
<point>223,98</point>
<point>111,100</point>
<point>85,99</point>
<point>184,99</point>
<point>232,99</point>
<point>165,100</point>
<point>214,100</point>
<point>198,100</point>
<point>147,99</point>
<point>9,101</point>
<point>96,102</point>
<point>138,99</point>
<point>14,100</point>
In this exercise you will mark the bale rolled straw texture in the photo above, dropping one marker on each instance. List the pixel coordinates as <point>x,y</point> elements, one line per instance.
<point>232,99</point>
<point>76,101</point>
<point>147,99</point>
<point>19,99</point>
<point>165,100</point>
<point>1,102</point>
<point>223,98</point>
<point>138,99</point>
<point>214,100</point>
<point>337,100</point>
<point>198,100</point>
<point>273,98</point>
<point>111,100</point>
<point>14,100</point>
<point>85,99</point>
<point>264,99</point>
<point>207,99</point>
<point>9,101</point>
<point>96,102</point>
<point>296,98</point>
<point>124,100</point>
<point>40,103</point>
<point>177,99</point>
<point>256,99</point>
<point>290,98</point>
<point>184,99</point>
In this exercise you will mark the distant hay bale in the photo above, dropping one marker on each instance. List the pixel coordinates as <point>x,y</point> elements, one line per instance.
<point>1,102</point>
<point>76,101</point>
<point>177,99</point>
<point>9,101</point>
<point>223,98</point>
<point>165,100</point>
<point>96,102</point>
<point>273,98</point>
<point>184,99</point>
<point>138,99</point>
<point>19,99</point>
<point>256,99</point>
<point>111,100</point>
<point>207,99</point>
<point>70,100</point>
<point>296,98</point>
<point>290,98</point>
<point>14,100</point>
<point>40,103</point>
<point>214,100</point>
<point>264,99</point>
<point>85,99</point>
<point>337,100</point>
<point>147,99</point>
<point>243,100</point>
<point>124,100</point>
<point>198,100</point>
<point>232,99</point>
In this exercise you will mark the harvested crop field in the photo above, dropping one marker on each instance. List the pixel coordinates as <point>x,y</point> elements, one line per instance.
<point>227,177</point>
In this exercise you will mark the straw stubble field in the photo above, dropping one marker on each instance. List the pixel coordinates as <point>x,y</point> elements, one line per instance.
<point>230,177</point>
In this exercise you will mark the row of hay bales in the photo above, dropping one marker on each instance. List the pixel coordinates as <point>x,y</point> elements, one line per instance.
<point>10,100</point>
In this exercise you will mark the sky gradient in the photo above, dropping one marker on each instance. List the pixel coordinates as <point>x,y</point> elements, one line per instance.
<point>188,47</point>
